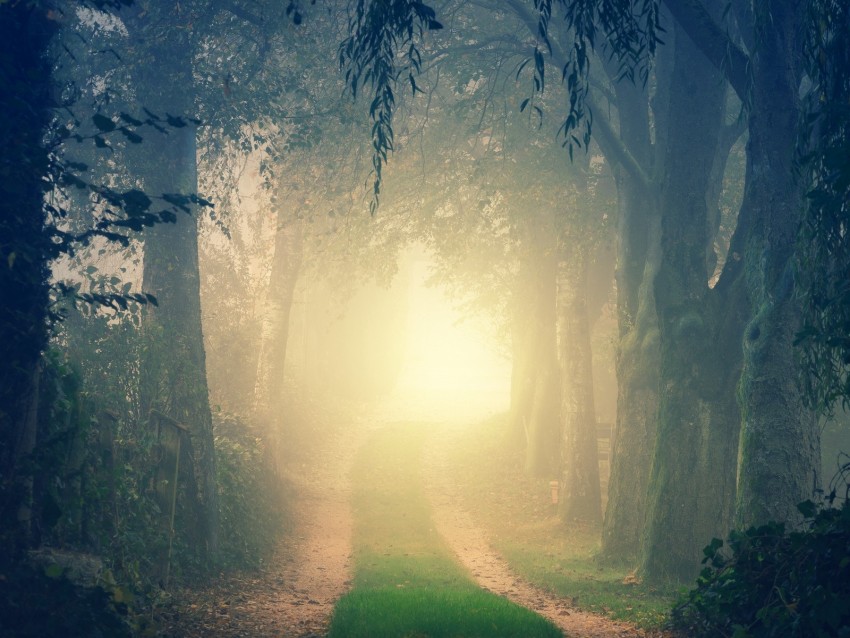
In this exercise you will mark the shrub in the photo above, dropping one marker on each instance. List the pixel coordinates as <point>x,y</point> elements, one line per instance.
<point>771,582</point>
<point>250,499</point>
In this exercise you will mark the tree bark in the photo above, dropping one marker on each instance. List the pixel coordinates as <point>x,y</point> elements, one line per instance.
<point>286,267</point>
<point>637,356</point>
<point>174,365</point>
<point>25,249</point>
<point>691,484</point>
<point>580,494</point>
<point>780,440</point>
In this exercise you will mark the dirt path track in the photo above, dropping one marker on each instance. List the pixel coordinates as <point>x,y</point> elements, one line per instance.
<point>294,596</point>
<point>472,548</point>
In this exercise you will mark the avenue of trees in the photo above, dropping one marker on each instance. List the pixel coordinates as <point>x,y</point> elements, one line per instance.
<point>714,427</point>
<point>185,183</point>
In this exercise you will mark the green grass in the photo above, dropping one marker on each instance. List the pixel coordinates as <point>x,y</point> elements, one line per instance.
<point>595,588</point>
<point>519,517</point>
<point>406,582</point>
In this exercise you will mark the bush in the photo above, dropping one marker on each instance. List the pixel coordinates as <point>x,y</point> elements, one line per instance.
<point>37,603</point>
<point>250,497</point>
<point>770,582</point>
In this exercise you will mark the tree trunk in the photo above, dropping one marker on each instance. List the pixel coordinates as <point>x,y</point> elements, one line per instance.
<point>691,484</point>
<point>780,440</point>
<point>581,497</point>
<point>637,410</point>
<point>25,248</point>
<point>543,424</point>
<point>522,359</point>
<point>286,266</point>
<point>174,365</point>
<point>534,422</point>
<point>633,437</point>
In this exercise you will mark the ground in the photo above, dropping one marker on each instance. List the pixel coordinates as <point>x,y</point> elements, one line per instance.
<point>294,596</point>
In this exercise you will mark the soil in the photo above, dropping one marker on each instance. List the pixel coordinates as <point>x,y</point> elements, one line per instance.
<point>472,548</point>
<point>295,595</point>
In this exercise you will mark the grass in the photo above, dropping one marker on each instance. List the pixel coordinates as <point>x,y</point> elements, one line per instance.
<point>518,514</point>
<point>406,582</point>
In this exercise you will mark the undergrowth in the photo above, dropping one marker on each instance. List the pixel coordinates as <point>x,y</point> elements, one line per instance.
<point>517,512</point>
<point>769,582</point>
<point>251,502</point>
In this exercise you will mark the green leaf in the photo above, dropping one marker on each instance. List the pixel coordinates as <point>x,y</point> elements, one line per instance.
<point>130,119</point>
<point>54,571</point>
<point>807,509</point>
<point>132,137</point>
<point>103,123</point>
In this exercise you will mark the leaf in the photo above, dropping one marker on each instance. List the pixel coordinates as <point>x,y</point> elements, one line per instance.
<point>103,123</point>
<point>176,122</point>
<point>135,202</point>
<point>54,571</point>
<point>130,119</point>
<point>132,137</point>
<point>175,199</point>
<point>807,508</point>
<point>122,595</point>
<point>522,66</point>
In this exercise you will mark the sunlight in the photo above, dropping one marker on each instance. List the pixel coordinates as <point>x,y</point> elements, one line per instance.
<point>451,371</point>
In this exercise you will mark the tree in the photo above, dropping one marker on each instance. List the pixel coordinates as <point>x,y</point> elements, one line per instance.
<point>754,312</point>
<point>25,247</point>
<point>824,257</point>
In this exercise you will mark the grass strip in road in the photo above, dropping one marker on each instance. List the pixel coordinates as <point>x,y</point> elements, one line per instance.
<point>406,581</point>
<point>516,511</point>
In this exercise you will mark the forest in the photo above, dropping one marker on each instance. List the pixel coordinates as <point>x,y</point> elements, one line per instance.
<point>450,318</point>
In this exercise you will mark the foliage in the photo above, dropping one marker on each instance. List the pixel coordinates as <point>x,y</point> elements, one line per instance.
<point>36,603</point>
<point>824,267</point>
<point>774,583</point>
<point>108,466</point>
<point>381,33</point>
<point>249,499</point>
<point>385,44</point>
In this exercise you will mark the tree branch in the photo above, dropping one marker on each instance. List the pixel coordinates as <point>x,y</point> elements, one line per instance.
<point>610,143</point>
<point>714,43</point>
<point>613,148</point>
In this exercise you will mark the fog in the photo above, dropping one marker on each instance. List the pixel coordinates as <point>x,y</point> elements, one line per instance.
<point>452,369</point>
<point>324,315</point>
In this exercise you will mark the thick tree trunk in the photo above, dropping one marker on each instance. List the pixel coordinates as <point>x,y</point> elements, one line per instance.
<point>637,357</point>
<point>25,250</point>
<point>780,441</point>
<point>637,407</point>
<point>690,490</point>
<point>175,364</point>
<point>581,497</point>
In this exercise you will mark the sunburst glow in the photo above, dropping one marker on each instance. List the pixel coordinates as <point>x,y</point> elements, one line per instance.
<point>451,370</point>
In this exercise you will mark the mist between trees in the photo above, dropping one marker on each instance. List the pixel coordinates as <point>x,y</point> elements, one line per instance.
<point>214,214</point>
